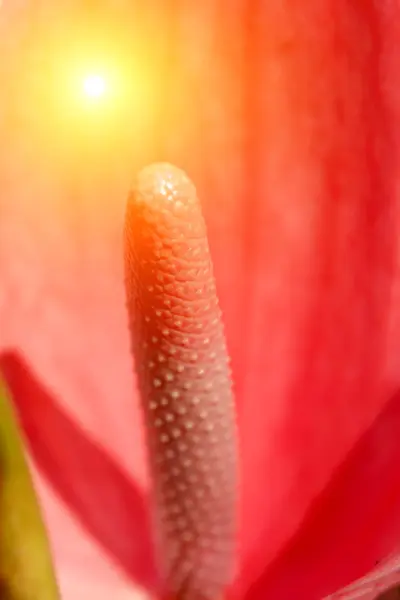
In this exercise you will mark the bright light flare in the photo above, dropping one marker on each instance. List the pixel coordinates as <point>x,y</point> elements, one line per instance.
<point>95,95</point>
<point>94,86</point>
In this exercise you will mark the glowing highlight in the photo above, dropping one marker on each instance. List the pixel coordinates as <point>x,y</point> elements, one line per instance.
<point>94,86</point>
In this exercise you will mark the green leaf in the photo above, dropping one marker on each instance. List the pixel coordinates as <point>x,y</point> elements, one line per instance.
<point>26,571</point>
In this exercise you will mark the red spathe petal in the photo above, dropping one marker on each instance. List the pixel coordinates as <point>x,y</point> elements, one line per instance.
<point>321,283</point>
<point>353,521</point>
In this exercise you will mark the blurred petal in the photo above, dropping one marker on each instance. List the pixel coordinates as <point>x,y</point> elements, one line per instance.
<point>321,281</point>
<point>83,474</point>
<point>379,584</point>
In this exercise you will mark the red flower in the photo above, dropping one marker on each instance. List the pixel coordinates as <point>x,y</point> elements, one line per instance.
<point>286,115</point>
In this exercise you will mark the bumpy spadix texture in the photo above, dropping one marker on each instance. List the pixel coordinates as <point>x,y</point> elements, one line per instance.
<point>184,380</point>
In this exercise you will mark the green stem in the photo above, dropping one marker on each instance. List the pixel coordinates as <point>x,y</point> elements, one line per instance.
<point>26,571</point>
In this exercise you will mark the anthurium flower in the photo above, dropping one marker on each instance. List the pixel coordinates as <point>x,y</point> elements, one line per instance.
<point>286,117</point>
